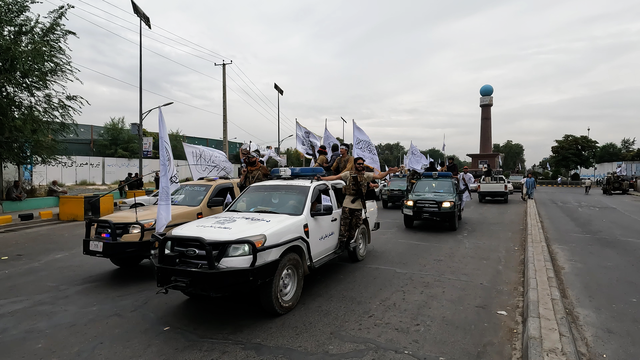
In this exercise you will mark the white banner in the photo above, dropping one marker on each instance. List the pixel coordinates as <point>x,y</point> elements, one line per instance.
<point>306,141</point>
<point>270,153</point>
<point>415,159</point>
<point>328,140</point>
<point>169,180</point>
<point>364,148</point>
<point>205,161</point>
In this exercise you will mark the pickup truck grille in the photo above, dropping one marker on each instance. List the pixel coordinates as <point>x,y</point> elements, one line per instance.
<point>190,254</point>
<point>106,229</point>
<point>426,204</point>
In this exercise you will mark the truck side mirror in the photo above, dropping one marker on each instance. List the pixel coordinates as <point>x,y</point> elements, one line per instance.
<point>215,202</point>
<point>322,210</point>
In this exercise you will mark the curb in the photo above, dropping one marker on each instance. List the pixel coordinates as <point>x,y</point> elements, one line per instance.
<point>547,334</point>
<point>561,185</point>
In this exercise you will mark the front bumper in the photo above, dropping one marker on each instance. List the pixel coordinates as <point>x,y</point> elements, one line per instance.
<point>200,272</point>
<point>112,246</point>
<point>116,249</point>
<point>493,194</point>
<point>393,198</point>
<point>437,214</point>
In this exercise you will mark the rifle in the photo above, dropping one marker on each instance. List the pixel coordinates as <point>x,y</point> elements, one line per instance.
<point>466,186</point>
<point>359,194</point>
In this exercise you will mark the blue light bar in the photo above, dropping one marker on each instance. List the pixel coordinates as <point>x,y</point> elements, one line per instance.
<point>297,172</point>
<point>437,174</point>
<point>399,175</point>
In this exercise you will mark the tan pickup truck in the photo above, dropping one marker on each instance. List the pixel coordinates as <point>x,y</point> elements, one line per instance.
<point>125,237</point>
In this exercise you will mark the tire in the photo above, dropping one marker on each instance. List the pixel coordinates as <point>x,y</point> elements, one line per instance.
<point>359,252</point>
<point>408,221</point>
<point>453,223</point>
<point>385,204</point>
<point>459,214</point>
<point>506,199</point>
<point>126,262</point>
<point>281,294</point>
<point>136,205</point>
<point>480,198</point>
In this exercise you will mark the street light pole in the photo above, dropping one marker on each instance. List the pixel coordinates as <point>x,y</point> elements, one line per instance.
<point>280,142</point>
<point>343,122</point>
<point>143,19</point>
<point>280,93</point>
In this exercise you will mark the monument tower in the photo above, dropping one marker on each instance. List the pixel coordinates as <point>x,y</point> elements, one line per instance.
<point>486,156</point>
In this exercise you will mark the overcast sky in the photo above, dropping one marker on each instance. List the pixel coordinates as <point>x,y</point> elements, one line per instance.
<point>404,70</point>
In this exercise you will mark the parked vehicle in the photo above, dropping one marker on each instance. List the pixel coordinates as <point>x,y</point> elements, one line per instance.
<point>139,201</point>
<point>395,192</point>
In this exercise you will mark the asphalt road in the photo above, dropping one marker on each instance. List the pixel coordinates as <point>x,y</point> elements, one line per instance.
<point>596,241</point>
<point>424,293</point>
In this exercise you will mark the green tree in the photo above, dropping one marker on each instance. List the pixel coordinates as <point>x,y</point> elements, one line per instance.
<point>390,154</point>
<point>434,154</point>
<point>627,145</point>
<point>513,154</point>
<point>608,152</point>
<point>572,152</point>
<point>176,138</point>
<point>116,140</point>
<point>294,157</point>
<point>35,66</point>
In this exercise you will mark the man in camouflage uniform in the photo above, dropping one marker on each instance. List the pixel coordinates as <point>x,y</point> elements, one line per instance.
<point>357,182</point>
<point>344,162</point>
<point>252,170</point>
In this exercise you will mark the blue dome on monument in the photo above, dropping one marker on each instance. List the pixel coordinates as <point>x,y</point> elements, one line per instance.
<point>486,90</point>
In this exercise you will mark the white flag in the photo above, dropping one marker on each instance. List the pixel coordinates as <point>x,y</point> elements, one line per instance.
<point>443,145</point>
<point>228,200</point>
<point>306,141</point>
<point>500,160</point>
<point>169,180</point>
<point>205,161</point>
<point>548,167</point>
<point>328,140</point>
<point>270,153</point>
<point>415,159</point>
<point>364,148</point>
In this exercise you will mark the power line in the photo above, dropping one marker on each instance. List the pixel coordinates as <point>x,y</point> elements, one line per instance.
<point>166,97</point>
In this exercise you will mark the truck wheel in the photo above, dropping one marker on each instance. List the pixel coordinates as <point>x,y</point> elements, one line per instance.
<point>136,205</point>
<point>453,223</point>
<point>408,222</point>
<point>126,262</point>
<point>506,199</point>
<point>385,203</point>
<point>360,250</point>
<point>480,198</point>
<point>281,294</point>
<point>460,214</point>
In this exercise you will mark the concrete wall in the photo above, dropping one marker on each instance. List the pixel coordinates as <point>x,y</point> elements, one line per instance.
<point>632,167</point>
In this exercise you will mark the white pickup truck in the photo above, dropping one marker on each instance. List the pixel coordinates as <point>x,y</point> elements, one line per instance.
<point>272,235</point>
<point>493,187</point>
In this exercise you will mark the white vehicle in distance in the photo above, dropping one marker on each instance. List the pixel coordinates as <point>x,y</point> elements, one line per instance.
<point>138,201</point>
<point>270,237</point>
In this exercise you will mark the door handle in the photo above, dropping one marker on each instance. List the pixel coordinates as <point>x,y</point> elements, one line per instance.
<point>334,219</point>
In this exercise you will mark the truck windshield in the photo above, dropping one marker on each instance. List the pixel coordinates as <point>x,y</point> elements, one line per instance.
<point>277,199</point>
<point>189,195</point>
<point>434,186</point>
<point>398,184</point>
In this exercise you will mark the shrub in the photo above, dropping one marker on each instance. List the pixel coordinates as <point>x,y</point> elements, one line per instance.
<point>575,177</point>
<point>86,182</point>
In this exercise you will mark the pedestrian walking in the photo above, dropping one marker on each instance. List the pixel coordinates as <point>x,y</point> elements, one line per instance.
<point>156,179</point>
<point>587,186</point>
<point>530,184</point>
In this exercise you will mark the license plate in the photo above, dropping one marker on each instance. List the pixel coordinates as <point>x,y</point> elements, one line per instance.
<point>407,212</point>
<point>426,215</point>
<point>95,246</point>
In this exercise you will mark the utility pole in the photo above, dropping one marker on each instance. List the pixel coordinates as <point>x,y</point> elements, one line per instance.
<point>143,19</point>
<point>280,93</point>
<point>225,135</point>
<point>343,122</point>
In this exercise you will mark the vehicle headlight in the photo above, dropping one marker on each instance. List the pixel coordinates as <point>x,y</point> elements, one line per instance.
<point>408,202</point>
<point>147,224</point>
<point>238,250</point>
<point>122,202</point>
<point>446,204</point>
<point>259,240</point>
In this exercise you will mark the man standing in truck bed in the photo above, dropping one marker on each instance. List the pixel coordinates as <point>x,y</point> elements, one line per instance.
<point>356,186</point>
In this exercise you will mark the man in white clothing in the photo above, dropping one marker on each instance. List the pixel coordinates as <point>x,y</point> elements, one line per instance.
<point>522,188</point>
<point>465,180</point>
<point>587,185</point>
